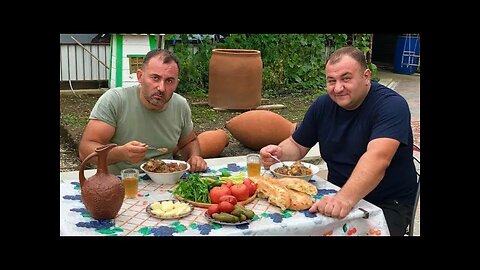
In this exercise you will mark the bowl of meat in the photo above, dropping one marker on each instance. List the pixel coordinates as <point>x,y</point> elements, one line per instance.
<point>165,171</point>
<point>294,169</point>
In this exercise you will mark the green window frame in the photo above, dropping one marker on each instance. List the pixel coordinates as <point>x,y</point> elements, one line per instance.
<point>135,62</point>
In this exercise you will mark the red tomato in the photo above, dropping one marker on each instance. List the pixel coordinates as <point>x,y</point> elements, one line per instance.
<point>247,180</point>
<point>252,187</point>
<point>229,198</point>
<point>240,191</point>
<point>225,207</point>
<point>217,192</point>
<point>229,183</point>
<point>213,209</point>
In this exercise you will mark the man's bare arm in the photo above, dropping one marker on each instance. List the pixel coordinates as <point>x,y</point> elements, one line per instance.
<point>98,133</point>
<point>369,170</point>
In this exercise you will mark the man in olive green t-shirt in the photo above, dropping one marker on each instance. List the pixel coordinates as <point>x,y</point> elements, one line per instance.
<point>139,116</point>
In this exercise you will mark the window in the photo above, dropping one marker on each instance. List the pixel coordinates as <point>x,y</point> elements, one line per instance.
<point>135,62</point>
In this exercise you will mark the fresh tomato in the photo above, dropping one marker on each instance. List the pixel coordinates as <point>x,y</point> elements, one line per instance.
<point>226,207</point>
<point>213,209</point>
<point>229,183</point>
<point>229,198</point>
<point>217,192</point>
<point>252,187</point>
<point>240,191</point>
<point>247,180</point>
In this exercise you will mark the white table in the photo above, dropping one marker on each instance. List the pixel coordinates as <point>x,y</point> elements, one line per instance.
<point>132,219</point>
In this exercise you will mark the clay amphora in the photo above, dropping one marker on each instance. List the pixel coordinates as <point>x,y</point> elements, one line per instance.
<point>102,193</point>
<point>212,142</point>
<point>235,79</point>
<point>258,128</point>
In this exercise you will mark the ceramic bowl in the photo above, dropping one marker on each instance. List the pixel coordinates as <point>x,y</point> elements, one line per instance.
<point>166,178</point>
<point>315,169</point>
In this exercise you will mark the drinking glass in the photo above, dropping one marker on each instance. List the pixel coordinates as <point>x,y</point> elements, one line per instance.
<point>253,165</point>
<point>130,182</point>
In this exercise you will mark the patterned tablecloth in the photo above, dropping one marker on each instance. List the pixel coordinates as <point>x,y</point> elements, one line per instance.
<point>132,219</point>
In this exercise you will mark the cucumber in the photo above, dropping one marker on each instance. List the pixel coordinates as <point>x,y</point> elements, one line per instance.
<point>225,217</point>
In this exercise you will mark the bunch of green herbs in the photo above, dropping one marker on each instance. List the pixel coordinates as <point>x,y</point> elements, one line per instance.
<point>194,188</point>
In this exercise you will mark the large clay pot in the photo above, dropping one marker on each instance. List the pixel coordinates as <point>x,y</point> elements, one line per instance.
<point>102,193</point>
<point>258,128</point>
<point>212,142</point>
<point>235,79</point>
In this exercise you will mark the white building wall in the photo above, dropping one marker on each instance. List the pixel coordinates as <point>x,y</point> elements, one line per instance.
<point>133,44</point>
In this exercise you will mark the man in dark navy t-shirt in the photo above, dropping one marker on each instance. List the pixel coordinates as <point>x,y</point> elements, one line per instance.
<point>363,129</point>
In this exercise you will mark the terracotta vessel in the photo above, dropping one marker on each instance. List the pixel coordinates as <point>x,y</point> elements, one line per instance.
<point>235,79</point>
<point>102,193</point>
<point>212,142</point>
<point>258,128</point>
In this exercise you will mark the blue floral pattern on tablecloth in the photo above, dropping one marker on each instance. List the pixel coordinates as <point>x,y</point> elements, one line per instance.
<point>268,220</point>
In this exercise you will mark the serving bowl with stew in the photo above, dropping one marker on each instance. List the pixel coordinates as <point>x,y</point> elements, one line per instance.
<point>165,171</point>
<point>294,169</point>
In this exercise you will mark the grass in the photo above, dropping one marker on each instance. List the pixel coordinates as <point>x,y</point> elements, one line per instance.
<point>74,121</point>
<point>203,114</point>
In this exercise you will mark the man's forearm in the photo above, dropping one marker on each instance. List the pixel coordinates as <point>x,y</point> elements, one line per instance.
<point>191,149</point>
<point>366,175</point>
<point>291,150</point>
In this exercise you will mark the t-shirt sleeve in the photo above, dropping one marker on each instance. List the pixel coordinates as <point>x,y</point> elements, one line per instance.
<point>392,120</point>
<point>306,134</point>
<point>106,108</point>
<point>187,119</point>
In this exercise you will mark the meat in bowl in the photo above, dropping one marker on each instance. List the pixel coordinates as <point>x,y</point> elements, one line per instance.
<point>295,169</point>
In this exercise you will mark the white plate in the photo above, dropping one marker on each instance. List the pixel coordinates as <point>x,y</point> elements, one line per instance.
<point>149,211</point>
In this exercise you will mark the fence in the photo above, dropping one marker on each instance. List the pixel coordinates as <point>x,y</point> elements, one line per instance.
<point>76,64</point>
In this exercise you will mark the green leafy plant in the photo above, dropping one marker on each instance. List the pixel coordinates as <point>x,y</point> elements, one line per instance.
<point>292,63</point>
<point>374,70</point>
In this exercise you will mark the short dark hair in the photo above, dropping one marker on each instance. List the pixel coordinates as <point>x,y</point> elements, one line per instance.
<point>166,55</point>
<point>353,52</point>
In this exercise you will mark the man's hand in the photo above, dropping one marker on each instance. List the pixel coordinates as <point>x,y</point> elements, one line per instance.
<point>332,206</point>
<point>133,151</point>
<point>197,164</point>
<point>268,150</point>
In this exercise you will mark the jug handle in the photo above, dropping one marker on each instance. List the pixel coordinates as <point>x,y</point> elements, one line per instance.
<point>107,147</point>
<point>81,174</point>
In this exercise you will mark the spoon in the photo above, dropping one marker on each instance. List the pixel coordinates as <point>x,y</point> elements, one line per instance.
<point>162,150</point>
<point>274,157</point>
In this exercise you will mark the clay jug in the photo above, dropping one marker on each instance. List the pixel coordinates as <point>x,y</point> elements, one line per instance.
<point>235,79</point>
<point>212,142</point>
<point>102,193</point>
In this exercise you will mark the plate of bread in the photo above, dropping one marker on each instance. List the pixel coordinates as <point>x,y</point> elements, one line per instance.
<point>286,193</point>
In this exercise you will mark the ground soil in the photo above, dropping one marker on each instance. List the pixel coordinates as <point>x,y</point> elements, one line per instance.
<point>75,109</point>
